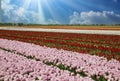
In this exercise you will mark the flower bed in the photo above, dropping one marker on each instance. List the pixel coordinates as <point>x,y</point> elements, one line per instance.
<point>84,65</point>
<point>18,68</point>
<point>100,45</point>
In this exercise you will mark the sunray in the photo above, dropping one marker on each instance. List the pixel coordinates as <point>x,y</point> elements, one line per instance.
<point>35,5</point>
<point>53,8</point>
<point>40,12</point>
<point>26,4</point>
<point>50,9</point>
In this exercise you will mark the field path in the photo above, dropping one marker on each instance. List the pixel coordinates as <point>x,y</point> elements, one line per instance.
<point>106,32</point>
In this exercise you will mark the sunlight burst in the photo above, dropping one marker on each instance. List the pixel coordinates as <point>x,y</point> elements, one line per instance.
<point>35,4</point>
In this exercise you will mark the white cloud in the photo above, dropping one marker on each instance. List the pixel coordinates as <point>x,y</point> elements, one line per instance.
<point>7,8</point>
<point>13,13</point>
<point>20,11</point>
<point>91,17</point>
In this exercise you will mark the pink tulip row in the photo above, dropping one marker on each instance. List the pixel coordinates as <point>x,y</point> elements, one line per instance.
<point>91,65</point>
<point>18,68</point>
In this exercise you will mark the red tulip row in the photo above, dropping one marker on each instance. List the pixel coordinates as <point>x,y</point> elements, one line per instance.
<point>92,39</point>
<point>90,46</point>
<point>102,45</point>
<point>114,40</point>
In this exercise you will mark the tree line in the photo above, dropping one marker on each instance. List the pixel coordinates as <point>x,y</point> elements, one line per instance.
<point>24,24</point>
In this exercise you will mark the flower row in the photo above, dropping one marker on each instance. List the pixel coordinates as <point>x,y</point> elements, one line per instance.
<point>90,65</point>
<point>18,68</point>
<point>83,43</point>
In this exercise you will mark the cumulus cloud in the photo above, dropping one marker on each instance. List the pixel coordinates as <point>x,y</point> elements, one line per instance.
<point>6,8</point>
<point>14,13</point>
<point>91,17</point>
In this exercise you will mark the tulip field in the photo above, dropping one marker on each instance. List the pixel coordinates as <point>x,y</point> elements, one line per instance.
<point>101,45</point>
<point>47,56</point>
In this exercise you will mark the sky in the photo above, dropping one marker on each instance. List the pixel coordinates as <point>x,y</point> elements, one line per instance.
<point>61,11</point>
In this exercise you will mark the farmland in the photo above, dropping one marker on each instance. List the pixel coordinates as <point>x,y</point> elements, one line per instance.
<point>78,27</point>
<point>117,28</point>
<point>76,54</point>
<point>59,40</point>
<point>102,45</point>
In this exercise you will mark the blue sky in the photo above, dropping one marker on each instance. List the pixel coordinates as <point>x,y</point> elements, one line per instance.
<point>61,11</point>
